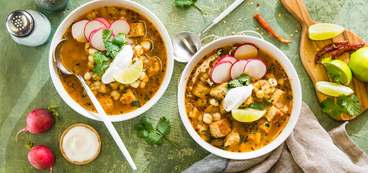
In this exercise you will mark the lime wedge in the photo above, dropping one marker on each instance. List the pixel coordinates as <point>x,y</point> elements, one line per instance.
<point>333,89</point>
<point>130,74</point>
<point>338,71</point>
<point>324,31</point>
<point>247,115</point>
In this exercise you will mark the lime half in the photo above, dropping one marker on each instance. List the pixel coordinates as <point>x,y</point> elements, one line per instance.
<point>130,74</point>
<point>247,115</point>
<point>333,89</point>
<point>338,71</point>
<point>324,31</point>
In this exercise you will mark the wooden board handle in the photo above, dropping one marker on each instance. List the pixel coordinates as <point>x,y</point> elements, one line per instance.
<point>298,9</point>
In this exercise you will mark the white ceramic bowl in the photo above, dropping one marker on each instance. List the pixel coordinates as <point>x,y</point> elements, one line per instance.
<point>271,50</point>
<point>80,11</point>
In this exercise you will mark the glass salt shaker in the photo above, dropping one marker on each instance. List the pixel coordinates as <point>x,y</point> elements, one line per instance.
<point>28,27</point>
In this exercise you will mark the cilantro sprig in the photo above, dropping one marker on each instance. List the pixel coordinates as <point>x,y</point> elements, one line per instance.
<point>153,135</point>
<point>187,4</point>
<point>101,63</point>
<point>259,105</point>
<point>113,44</point>
<point>242,80</point>
<point>344,104</point>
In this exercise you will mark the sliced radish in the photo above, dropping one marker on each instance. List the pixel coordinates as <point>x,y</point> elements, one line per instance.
<point>226,58</point>
<point>104,21</point>
<point>92,26</point>
<point>255,68</point>
<point>238,68</point>
<point>78,30</point>
<point>221,72</point>
<point>246,51</point>
<point>96,39</point>
<point>92,33</point>
<point>120,26</point>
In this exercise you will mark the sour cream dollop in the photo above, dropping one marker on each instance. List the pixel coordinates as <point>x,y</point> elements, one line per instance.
<point>80,144</point>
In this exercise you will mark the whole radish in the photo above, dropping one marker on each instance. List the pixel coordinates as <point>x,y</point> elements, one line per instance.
<point>41,157</point>
<point>38,121</point>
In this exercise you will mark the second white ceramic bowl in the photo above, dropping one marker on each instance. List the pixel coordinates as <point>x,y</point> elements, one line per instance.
<point>127,4</point>
<point>269,49</point>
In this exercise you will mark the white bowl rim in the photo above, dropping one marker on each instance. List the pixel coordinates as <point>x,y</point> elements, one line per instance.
<point>128,5</point>
<point>296,88</point>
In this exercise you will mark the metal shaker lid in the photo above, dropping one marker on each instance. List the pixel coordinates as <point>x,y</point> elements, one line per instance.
<point>20,23</point>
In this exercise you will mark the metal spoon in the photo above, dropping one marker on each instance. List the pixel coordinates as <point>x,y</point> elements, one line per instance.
<point>186,44</point>
<point>102,114</point>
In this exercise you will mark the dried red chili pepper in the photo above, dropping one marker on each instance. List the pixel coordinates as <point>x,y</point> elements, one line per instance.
<point>329,48</point>
<point>268,28</point>
<point>336,49</point>
<point>346,48</point>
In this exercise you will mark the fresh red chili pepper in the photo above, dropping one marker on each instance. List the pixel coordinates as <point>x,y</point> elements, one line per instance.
<point>268,28</point>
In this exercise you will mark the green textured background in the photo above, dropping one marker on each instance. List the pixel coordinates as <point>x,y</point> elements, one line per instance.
<point>25,84</point>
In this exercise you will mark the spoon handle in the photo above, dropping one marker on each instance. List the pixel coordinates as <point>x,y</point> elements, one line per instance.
<point>108,123</point>
<point>226,12</point>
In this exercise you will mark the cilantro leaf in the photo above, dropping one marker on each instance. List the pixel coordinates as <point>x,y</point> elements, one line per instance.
<point>340,105</point>
<point>113,44</point>
<point>187,4</point>
<point>111,49</point>
<point>142,133</point>
<point>106,35</point>
<point>351,105</point>
<point>135,103</point>
<point>259,105</point>
<point>153,136</point>
<point>102,63</point>
<point>330,107</point>
<point>145,124</point>
<point>120,40</point>
<point>163,126</point>
<point>184,3</point>
<point>242,80</point>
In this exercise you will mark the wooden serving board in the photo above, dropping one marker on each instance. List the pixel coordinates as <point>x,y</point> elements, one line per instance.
<point>309,48</point>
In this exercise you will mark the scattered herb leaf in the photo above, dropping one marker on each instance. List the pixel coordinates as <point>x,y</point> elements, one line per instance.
<point>101,63</point>
<point>163,126</point>
<point>145,124</point>
<point>184,3</point>
<point>153,136</point>
<point>242,80</point>
<point>187,4</point>
<point>135,103</point>
<point>345,104</point>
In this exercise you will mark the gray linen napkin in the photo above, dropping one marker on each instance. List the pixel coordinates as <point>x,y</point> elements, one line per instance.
<point>309,149</point>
